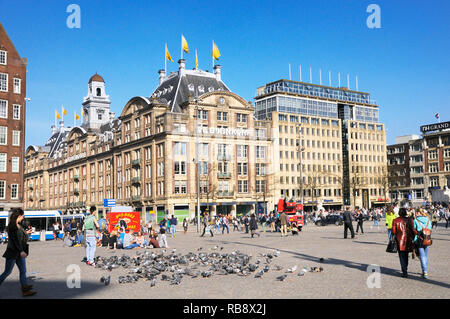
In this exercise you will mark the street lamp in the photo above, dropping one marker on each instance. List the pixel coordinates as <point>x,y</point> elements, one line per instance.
<point>300,151</point>
<point>198,164</point>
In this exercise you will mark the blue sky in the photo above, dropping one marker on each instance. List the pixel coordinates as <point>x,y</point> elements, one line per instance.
<point>404,64</point>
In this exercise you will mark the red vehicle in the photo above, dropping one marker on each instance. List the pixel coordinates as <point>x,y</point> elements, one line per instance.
<point>294,211</point>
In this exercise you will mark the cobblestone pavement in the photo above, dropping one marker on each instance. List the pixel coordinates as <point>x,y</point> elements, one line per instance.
<point>345,266</point>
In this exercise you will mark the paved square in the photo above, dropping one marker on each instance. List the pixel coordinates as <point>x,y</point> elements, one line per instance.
<point>345,268</point>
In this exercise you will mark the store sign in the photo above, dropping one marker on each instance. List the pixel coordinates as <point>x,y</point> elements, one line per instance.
<point>223,131</point>
<point>75,157</point>
<point>435,127</point>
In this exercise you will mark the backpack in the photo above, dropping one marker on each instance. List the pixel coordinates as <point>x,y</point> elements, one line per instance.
<point>424,236</point>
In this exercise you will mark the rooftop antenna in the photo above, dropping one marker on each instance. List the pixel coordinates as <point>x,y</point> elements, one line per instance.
<point>339,77</point>
<point>289,71</point>
<point>320,76</point>
<point>329,77</point>
<point>348,81</point>
<point>356,83</point>
<point>300,72</point>
<point>310,75</point>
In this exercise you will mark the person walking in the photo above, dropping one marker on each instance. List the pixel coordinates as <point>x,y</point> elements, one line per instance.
<point>360,219</point>
<point>447,217</point>
<point>253,225</point>
<point>225,224</point>
<point>56,229</point>
<point>422,222</point>
<point>390,216</point>
<point>434,220</point>
<point>403,229</point>
<point>206,225</point>
<point>235,224</point>
<point>246,223</point>
<point>348,224</point>
<point>263,223</point>
<point>17,251</point>
<point>272,223</point>
<point>173,224</point>
<point>283,222</point>
<point>90,231</point>
<point>185,225</point>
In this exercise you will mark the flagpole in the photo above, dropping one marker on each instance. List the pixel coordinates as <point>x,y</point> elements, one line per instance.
<point>300,72</point>
<point>213,55</point>
<point>165,60</point>
<point>181,46</point>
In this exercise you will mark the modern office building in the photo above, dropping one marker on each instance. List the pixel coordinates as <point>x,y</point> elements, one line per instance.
<point>12,122</point>
<point>341,142</point>
<point>191,142</point>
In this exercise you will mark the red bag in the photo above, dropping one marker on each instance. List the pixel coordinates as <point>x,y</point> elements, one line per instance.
<point>425,239</point>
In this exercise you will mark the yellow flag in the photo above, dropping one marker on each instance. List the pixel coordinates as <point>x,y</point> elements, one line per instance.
<point>168,57</point>
<point>77,117</point>
<point>57,115</point>
<point>215,53</point>
<point>184,44</point>
<point>64,111</point>
<point>82,112</point>
<point>196,60</point>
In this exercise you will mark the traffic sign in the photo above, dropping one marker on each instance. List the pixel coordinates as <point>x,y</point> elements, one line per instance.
<point>109,202</point>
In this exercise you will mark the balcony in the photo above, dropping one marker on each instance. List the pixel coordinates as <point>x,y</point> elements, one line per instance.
<point>136,180</point>
<point>223,174</point>
<point>225,194</point>
<point>223,157</point>
<point>136,162</point>
<point>76,177</point>
<point>136,198</point>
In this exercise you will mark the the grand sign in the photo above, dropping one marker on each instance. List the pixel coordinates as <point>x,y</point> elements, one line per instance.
<point>435,127</point>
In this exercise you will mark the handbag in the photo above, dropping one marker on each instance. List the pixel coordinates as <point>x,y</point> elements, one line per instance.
<point>392,246</point>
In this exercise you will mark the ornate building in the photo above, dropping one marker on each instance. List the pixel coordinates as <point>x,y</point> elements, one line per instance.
<point>191,141</point>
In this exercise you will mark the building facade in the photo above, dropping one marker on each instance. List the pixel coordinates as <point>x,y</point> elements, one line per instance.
<point>12,123</point>
<point>192,143</point>
<point>341,142</point>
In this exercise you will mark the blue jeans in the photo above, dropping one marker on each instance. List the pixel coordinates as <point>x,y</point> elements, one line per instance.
<point>423,252</point>
<point>172,230</point>
<point>131,246</point>
<point>91,245</point>
<point>223,228</point>
<point>390,233</point>
<point>9,265</point>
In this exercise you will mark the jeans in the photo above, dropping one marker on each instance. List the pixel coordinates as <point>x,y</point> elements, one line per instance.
<point>131,246</point>
<point>390,233</point>
<point>403,255</point>
<point>9,265</point>
<point>91,245</point>
<point>172,230</point>
<point>423,252</point>
<point>223,228</point>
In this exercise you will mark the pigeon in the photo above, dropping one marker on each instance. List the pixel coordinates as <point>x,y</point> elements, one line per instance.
<point>266,269</point>
<point>282,278</point>
<point>153,283</point>
<point>277,253</point>
<point>293,269</point>
<point>276,267</point>
<point>259,274</point>
<point>105,280</point>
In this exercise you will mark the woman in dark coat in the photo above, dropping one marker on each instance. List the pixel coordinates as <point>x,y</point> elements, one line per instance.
<point>17,251</point>
<point>403,229</point>
<point>253,225</point>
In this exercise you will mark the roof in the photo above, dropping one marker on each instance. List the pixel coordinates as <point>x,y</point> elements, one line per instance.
<point>175,90</point>
<point>96,78</point>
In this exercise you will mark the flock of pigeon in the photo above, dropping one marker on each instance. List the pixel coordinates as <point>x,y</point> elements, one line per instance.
<point>172,266</point>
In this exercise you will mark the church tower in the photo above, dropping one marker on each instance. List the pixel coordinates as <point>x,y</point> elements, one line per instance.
<point>96,105</point>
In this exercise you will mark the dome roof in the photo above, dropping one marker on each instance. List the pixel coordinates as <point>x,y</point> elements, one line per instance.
<point>96,78</point>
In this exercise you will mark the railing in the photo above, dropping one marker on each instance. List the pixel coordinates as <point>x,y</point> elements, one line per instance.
<point>223,157</point>
<point>223,174</point>
<point>76,177</point>
<point>136,162</point>
<point>135,198</point>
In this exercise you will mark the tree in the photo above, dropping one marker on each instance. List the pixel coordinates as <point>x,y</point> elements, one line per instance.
<point>357,181</point>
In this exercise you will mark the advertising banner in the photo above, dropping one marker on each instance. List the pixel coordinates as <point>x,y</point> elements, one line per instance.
<point>131,219</point>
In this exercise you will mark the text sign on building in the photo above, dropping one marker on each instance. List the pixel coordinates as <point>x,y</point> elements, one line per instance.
<point>223,131</point>
<point>109,202</point>
<point>75,157</point>
<point>435,127</point>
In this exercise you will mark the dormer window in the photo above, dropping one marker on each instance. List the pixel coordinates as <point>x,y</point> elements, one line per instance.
<point>210,89</point>
<point>201,89</point>
<point>3,57</point>
<point>191,87</point>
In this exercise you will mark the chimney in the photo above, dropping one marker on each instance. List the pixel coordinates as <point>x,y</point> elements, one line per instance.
<point>61,124</point>
<point>182,63</point>
<point>162,75</point>
<point>217,72</point>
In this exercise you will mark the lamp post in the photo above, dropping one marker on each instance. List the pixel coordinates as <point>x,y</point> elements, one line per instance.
<point>300,151</point>
<point>198,164</point>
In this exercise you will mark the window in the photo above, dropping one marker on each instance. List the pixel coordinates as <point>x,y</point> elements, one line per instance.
<point>434,181</point>
<point>179,148</point>
<point>180,187</point>
<point>3,109</point>
<point>432,154</point>
<point>14,191</point>
<point>180,168</point>
<point>222,116</point>
<point>2,189</point>
<point>160,150</point>
<point>242,168</point>
<point>16,138</point>
<point>15,164</point>
<point>3,57</point>
<point>433,167</point>
<point>241,118</point>
<point>160,169</point>
<point>446,152</point>
<point>260,169</point>
<point>17,85</point>
<point>2,162</point>
<point>243,186</point>
<point>4,82</point>
<point>242,151</point>
<point>260,151</point>
<point>203,149</point>
<point>202,114</point>
<point>3,135</point>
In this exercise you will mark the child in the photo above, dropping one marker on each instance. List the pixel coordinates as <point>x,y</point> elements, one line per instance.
<point>294,230</point>
<point>163,240</point>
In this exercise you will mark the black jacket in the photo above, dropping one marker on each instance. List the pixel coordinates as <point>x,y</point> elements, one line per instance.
<point>253,224</point>
<point>347,217</point>
<point>17,243</point>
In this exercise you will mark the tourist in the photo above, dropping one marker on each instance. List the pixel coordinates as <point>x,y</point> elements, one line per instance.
<point>403,229</point>
<point>447,217</point>
<point>173,224</point>
<point>153,239</point>
<point>163,239</point>
<point>225,224</point>
<point>434,220</point>
<point>263,223</point>
<point>185,225</point>
<point>235,224</point>
<point>253,225</point>
<point>56,230</point>
<point>283,222</point>
<point>348,223</point>
<point>421,222</point>
<point>360,219</point>
<point>113,240</point>
<point>17,251</point>
<point>272,223</point>
<point>90,231</point>
<point>246,223</point>
<point>206,225</point>
<point>129,241</point>
<point>390,216</point>
<point>140,240</point>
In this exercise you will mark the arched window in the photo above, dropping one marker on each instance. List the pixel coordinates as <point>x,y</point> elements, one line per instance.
<point>99,92</point>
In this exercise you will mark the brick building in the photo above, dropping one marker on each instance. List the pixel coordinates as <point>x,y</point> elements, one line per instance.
<point>12,122</point>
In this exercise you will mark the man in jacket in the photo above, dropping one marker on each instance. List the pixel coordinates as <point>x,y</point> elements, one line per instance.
<point>205,225</point>
<point>348,223</point>
<point>360,219</point>
<point>390,216</point>
<point>403,229</point>
<point>283,222</point>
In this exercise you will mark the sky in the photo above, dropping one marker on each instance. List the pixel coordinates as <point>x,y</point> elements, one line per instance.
<point>404,64</point>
